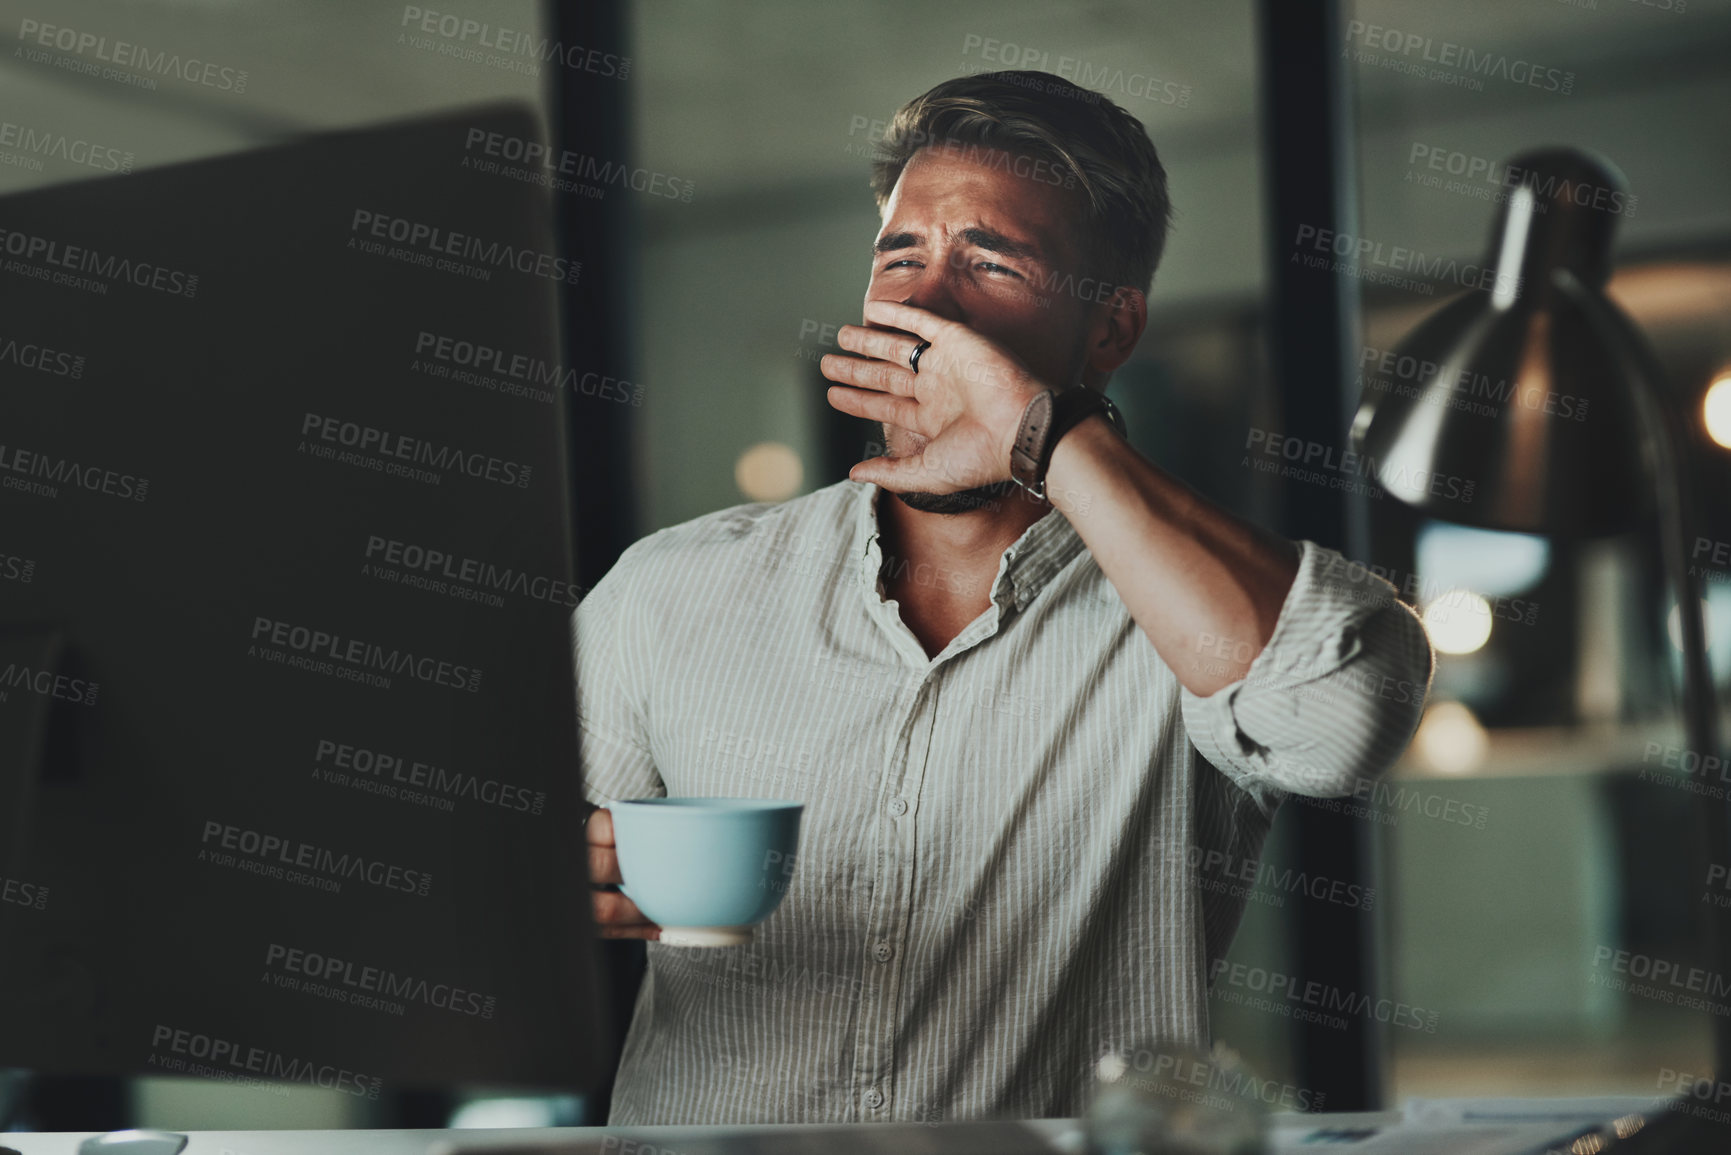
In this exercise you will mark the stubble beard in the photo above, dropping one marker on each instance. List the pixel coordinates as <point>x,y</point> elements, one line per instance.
<point>962,501</point>
<point>980,497</point>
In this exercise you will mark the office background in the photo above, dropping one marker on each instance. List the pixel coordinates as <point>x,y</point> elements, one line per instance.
<point>1518,840</point>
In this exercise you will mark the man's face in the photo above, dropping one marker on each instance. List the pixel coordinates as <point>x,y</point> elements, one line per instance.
<point>967,238</point>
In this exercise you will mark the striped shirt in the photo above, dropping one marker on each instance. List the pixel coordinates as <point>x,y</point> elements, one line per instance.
<point>1015,856</point>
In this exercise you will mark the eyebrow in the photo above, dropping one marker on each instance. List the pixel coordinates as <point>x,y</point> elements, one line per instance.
<point>996,242</point>
<point>980,238</point>
<point>890,242</point>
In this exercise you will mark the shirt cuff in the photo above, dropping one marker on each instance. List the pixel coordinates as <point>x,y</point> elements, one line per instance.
<point>1339,684</point>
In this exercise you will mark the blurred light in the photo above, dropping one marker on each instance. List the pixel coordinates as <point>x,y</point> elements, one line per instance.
<point>768,471</point>
<point>490,1113</point>
<point>1450,740</point>
<point>1674,625</point>
<point>1482,560</point>
<point>1459,622</point>
<point>1716,410</point>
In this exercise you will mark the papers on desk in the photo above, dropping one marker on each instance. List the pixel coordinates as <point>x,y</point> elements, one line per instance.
<point>1599,1108</point>
<point>1406,1139</point>
<point>1466,1126</point>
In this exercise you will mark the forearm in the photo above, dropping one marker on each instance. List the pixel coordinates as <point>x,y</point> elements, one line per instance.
<point>1188,571</point>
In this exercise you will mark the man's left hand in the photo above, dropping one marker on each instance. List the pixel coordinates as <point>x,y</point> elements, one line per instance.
<point>964,406</point>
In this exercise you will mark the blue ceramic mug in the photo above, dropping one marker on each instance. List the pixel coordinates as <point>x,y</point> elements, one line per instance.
<point>707,870</point>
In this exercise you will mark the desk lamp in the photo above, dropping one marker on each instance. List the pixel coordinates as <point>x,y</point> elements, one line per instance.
<point>1542,337</point>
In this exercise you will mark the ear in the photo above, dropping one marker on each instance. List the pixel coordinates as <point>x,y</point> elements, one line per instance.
<point>1113,331</point>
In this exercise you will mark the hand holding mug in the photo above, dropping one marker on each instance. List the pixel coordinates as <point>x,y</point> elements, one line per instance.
<point>616,916</point>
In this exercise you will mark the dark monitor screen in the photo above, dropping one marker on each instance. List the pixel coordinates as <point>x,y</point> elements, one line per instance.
<point>288,773</point>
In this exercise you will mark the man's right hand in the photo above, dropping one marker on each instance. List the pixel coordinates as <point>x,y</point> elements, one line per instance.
<point>615,915</point>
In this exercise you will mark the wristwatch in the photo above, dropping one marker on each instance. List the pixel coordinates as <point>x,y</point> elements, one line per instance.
<point>1051,414</point>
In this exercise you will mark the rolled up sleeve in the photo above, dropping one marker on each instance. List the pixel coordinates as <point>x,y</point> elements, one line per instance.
<point>1332,699</point>
<point>612,656</point>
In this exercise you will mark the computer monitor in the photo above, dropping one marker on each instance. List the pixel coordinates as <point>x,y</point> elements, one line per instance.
<point>288,756</point>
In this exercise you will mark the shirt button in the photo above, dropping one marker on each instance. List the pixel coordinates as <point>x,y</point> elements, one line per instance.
<point>882,952</point>
<point>898,806</point>
<point>874,1098</point>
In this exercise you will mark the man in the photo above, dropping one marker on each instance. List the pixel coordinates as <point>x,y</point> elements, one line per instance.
<point>1014,727</point>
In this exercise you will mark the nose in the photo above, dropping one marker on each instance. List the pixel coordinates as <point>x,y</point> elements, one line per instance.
<point>934,290</point>
<point>942,304</point>
<point>934,295</point>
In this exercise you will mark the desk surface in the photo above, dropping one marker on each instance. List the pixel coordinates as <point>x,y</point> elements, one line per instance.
<point>1422,1127</point>
<point>1064,1134</point>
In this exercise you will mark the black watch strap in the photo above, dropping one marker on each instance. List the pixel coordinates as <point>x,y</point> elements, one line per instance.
<point>1051,414</point>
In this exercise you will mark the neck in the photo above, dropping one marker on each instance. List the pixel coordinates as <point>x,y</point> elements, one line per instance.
<point>959,541</point>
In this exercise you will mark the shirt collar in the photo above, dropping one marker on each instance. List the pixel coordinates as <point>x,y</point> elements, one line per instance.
<point>1032,560</point>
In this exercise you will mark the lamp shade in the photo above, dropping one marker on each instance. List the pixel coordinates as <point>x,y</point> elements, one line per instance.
<point>1518,394</point>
